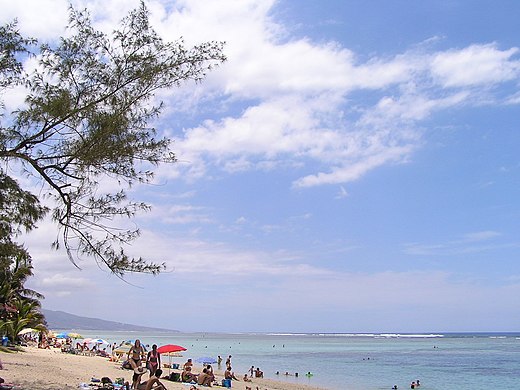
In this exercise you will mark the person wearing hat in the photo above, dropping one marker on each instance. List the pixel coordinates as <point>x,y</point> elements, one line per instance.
<point>136,378</point>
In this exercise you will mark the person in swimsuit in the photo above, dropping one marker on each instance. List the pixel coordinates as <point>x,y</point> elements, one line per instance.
<point>153,360</point>
<point>153,383</point>
<point>136,352</point>
<point>187,375</point>
<point>204,379</point>
<point>189,363</point>
<point>229,374</point>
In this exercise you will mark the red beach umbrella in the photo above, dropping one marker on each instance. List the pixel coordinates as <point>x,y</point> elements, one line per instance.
<point>168,348</point>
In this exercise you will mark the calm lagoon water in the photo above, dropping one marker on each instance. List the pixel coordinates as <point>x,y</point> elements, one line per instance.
<point>464,361</point>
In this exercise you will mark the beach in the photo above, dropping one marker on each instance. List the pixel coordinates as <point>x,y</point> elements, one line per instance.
<point>462,361</point>
<point>51,369</point>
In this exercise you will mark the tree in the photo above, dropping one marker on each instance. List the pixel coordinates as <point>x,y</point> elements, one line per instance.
<point>86,119</point>
<point>19,306</point>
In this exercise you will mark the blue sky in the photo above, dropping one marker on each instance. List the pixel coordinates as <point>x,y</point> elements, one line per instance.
<point>353,167</point>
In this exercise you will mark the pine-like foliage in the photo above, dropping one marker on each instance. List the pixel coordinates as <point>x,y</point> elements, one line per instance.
<point>86,118</point>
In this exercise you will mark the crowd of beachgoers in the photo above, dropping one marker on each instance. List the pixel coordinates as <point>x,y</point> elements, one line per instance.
<point>128,365</point>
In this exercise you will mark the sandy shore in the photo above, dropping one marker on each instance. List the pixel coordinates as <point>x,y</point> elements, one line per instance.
<point>44,369</point>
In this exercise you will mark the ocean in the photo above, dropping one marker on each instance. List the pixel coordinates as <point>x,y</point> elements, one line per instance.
<point>462,361</point>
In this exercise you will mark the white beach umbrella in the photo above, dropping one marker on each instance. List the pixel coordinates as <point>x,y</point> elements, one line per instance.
<point>27,330</point>
<point>98,341</point>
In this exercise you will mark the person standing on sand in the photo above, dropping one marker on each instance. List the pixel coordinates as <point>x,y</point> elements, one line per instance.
<point>228,361</point>
<point>153,360</point>
<point>137,352</point>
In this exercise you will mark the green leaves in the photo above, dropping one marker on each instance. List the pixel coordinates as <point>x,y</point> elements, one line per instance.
<point>19,209</point>
<point>86,120</point>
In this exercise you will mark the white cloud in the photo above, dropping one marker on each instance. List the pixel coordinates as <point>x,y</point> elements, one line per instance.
<point>475,65</point>
<point>178,214</point>
<point>481,236</point>
<point>299,107</point>
<point>342,193</point>
<point>241,220</point>
<point>476,242</point>
<point>295,92</point>
<point>513,99</point>
<point>352,172</point>
<point>31,13</point>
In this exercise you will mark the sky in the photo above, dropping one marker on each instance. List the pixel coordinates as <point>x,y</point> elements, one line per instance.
<point>353,167</point>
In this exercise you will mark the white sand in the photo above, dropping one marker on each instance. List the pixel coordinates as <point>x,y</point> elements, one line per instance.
<point>44,369</point>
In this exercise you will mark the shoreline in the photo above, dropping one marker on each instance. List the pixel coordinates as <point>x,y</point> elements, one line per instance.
<point>51,369</point>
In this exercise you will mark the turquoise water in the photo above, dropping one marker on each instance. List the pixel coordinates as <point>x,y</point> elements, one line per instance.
<point>354,362</point>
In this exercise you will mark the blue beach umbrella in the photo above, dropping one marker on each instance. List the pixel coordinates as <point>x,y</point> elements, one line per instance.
<point>206,360</point>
